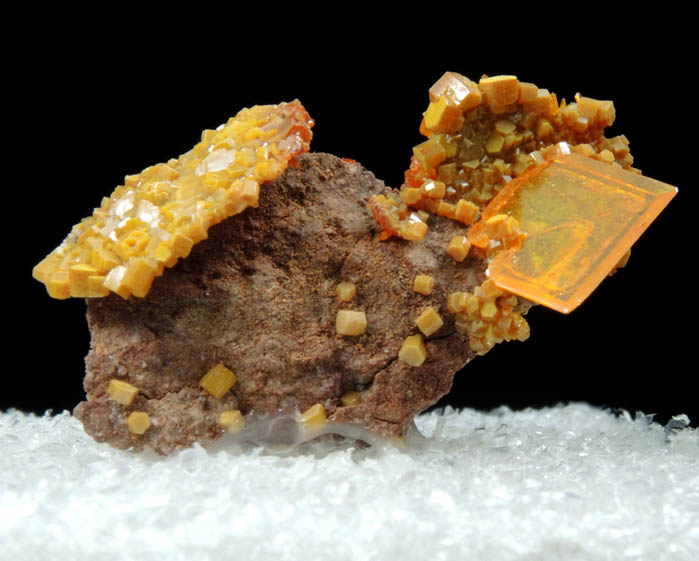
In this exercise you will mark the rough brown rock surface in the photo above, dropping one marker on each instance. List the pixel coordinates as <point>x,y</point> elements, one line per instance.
<point>259,296</point>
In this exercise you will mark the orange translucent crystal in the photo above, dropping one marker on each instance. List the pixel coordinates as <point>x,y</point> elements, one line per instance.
<point>158,215</point>
<point>580,216</point>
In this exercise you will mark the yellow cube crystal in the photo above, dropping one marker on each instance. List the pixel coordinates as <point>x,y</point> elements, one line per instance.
<point>466,212</point>
<point>233,420</point>
<point>440,116</point>
<point>423,284</point>
<point>122,392</point>
<point>430,153</point>
<point>138,422</point>
<point>499,91</point>
<point>411,195</point>
<point>78,279</point>
<point>351,398</point>
<point>413,351</point>
<point>218,381</point>
<point>414,231</point>
<point>138,277</point>
<point>446,209</point>
<point>429,321</point>
<point>314,417</point>
<point>494,143</point>
<point>459,248</point>
<point>459,91</point>
<point>434,189</point>
<point>346,291</point>
<point>350,322</point>
<point>455,302</point>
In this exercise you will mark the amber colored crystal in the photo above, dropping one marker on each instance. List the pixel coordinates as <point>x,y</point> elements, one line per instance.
<point>395,219</point>
<point>314,418</point>
<point>487,317</point>
<point>423,284</point>
<point>503,129</point>
<point>350,322</point>
<point>158,215</point>
<point>413,351</point>
<point>429,321</point>
<point>122,392</point>
<point>580,216</point>
<point>138,422</point>
<point>218,381</point>
<point>232,420</point>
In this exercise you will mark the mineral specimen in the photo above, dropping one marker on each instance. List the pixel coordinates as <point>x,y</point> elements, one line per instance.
<point>301,315</point>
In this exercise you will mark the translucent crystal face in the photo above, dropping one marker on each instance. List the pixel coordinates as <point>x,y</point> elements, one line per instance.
<point>581,217</point>
<point>158,215</point>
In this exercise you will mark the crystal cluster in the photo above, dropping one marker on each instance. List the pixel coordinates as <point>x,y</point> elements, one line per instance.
<point>482,135</point>
<point>158,215</point>
<point>526,199</point>
<point>508,160</point>
<point>487,316</point>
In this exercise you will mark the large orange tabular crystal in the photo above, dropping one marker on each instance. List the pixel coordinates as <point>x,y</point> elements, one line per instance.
<point>580,216</point>
<point>158,215</point>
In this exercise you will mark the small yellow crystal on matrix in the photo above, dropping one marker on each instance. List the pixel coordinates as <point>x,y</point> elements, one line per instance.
<point>423,284</point>
<point>314,417</point>
<point>158,215</point>
<point>233,420</point>
<point>122,392</point>
<point>138,422</point>
<point>218,381</point>
<point>350,322</point>
<point>346,291</point>
<point>413,351</point>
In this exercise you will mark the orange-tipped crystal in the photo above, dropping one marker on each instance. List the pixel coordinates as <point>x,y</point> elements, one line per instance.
<point>580,216</point>
<point>158,215</point>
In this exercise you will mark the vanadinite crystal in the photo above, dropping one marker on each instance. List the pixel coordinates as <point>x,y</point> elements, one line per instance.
<point>158,215</point>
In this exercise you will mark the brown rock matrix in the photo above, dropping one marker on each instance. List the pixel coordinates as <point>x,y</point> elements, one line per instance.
<point>258,301</point>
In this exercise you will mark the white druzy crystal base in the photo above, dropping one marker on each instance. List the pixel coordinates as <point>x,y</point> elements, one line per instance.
<point>568,482</point>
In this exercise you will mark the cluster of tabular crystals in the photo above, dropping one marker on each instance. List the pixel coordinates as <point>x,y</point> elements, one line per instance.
<point>158,215</point>
<point>482,135</point>
<point>487,317</point>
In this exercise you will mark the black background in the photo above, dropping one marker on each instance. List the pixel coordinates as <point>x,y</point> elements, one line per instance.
<point>94,102</point>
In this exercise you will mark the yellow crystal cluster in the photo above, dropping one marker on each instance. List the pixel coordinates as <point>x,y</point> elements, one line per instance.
<point>495,233</point>
<point>482,135</point>
<point>158,215</point>
<point>487,316</point>
<point>395,218</point>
